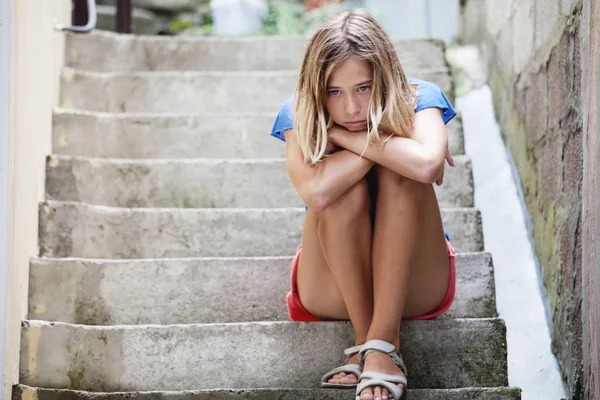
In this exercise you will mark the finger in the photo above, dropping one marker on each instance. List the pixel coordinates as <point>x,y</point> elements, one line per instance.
<point>450,159</point>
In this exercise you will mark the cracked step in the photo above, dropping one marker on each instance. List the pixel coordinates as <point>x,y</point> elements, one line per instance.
<point>23,392</point>
<point>231,135</point>
<point>203,183</point>
<point>71,229</point>
<point>439,354</point>
<point>201,290</point>
<point>191,92</point>
<point>105,51</point>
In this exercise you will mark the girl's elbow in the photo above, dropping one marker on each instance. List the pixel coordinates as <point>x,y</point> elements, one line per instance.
<point>315,199</point>
<point>431,171</point>
<point>316,203</point>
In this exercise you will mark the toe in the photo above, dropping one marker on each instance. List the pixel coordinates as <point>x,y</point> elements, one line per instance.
<point>384,394</point>
<point>349,379</point>
<point>336,378</point>
<point>366,394</point>
<point>377,393</point>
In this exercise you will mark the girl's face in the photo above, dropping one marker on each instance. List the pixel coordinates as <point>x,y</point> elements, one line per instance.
<point>348,94</point>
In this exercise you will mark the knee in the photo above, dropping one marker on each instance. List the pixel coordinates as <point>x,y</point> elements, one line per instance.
<point>388,178</point>
<point>390,181</point>
<point>351,204</point>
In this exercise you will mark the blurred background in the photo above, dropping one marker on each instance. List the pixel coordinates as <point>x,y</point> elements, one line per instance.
<point>401,18</point>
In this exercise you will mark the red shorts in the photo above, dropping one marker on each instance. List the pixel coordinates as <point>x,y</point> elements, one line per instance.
<point>298,313</point>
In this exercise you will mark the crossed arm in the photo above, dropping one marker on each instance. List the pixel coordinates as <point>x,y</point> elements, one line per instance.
<point>420,158</point>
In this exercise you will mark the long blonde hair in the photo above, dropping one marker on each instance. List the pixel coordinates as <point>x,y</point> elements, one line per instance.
<point>351,34</point>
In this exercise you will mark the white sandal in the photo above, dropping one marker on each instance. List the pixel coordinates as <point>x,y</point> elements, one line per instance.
<point>354,369</point>
<point>377,378</point>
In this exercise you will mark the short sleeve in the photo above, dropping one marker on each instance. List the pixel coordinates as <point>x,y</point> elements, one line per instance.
<point>284,120</point>
<point>429,95</point>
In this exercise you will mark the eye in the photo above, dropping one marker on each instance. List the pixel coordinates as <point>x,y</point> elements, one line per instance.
<point>364,89</point>
<point>334,92</point>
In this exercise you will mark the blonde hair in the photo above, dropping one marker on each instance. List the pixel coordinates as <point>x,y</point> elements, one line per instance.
<point>351,34</point>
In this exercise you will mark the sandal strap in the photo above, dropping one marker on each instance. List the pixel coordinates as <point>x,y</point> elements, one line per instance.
<point>353,369</point>
<point>385,377</point>
<point>350,351</point>
<point>394,390</point>
<point>383,347</point>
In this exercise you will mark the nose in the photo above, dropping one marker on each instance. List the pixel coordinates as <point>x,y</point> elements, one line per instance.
<point>352,106</point>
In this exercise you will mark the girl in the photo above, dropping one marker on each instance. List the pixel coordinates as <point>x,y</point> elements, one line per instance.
<point>363,151</point>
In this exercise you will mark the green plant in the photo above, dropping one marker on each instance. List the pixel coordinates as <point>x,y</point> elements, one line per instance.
<point>180,25</point>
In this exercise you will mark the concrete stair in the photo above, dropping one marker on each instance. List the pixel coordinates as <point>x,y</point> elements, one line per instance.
<point>170,223</point>
<point>248,355</point>
<point>190,92</point>
<point>72,229</point>
<point>174,136</point>
<point>201,183</point>
<point>200,290</point>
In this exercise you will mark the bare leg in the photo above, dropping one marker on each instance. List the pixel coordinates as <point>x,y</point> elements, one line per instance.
<point>334,271</point>
<point>410,259</point>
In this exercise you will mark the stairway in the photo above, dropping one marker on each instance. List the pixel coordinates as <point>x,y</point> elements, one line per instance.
<point>170,223</point>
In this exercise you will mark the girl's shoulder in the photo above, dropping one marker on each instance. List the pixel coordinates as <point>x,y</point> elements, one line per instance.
<point>429,95</point>
<point>284,120</point>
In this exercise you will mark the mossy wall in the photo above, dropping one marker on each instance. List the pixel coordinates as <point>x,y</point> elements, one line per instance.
<point>532,48</point>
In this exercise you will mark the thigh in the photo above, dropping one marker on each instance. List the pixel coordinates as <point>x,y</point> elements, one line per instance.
<point>421,223</point>
<point>317,288</point>
<point>430,274</point>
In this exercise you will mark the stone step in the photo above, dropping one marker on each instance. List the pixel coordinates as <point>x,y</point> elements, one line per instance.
<point>231,135</point>
<point>191,92</point>
<point>104,52</point>
<point>201,290</point>
<point>439,354</point>
<point>71,229</point>
<point>22,392</point>
<point>203,183</point>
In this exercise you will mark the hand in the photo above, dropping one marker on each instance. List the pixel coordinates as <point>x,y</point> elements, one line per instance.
<point>331,148</point>
<point>451,162</point>
<point>332,145</point>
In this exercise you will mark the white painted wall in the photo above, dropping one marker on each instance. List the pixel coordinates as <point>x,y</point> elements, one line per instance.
<point>5,113</point>
<point>36,56</point>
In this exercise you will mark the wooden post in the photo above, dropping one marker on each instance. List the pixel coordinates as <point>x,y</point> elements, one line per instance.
<point>124,23</point>
<point>79,17</point>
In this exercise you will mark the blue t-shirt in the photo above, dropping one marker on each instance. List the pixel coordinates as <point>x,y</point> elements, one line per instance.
<point>429,95</point>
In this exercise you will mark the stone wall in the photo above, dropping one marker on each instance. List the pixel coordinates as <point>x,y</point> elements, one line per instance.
<point>539,76</point>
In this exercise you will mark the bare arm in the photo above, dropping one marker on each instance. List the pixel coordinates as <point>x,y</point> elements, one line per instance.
<point>420,157</point>
<point>324,183</point>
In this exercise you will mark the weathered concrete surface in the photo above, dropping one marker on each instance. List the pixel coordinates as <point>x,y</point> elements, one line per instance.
<point>203,183</point>
<point>192,92</point>
<point>538,102</point>
<point>439,354</point>
<point>230,135</point>
<point>22,392</point>
<point>69,229</point>
<point>95,292</point>
<point>105,51</point>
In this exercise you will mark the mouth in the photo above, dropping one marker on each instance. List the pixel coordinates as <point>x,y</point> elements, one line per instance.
<point>355,124</point>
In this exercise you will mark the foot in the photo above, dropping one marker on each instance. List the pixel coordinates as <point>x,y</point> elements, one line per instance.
<point>344,378</point>
<point>380,362</point>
